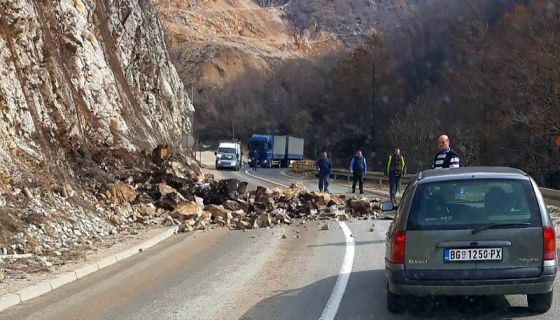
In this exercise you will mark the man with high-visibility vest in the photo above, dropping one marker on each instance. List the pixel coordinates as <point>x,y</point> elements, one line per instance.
<point>396,167</point>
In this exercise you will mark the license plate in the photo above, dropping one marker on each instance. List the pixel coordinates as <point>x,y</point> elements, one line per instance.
<point>472,254</point>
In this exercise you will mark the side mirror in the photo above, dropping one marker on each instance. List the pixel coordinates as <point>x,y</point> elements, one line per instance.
<point>387,206</point>
<point>215,153</point>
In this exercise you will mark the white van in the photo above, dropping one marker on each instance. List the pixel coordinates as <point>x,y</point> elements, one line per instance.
<point>229,155</point>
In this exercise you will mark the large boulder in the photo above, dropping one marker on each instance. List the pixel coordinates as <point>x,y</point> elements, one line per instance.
<point>161,189</point>
<point>360,206</point>
<point>187,210</point>
<point>263,221</point>
<point>221,191</point>
<point>120,193</point>
<point>219,211</point>
<point>161,153</point>
<point>242,224</point>
<point>233,205</point>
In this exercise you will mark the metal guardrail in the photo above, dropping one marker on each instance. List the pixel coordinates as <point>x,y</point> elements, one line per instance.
<point>551,196</point>
<point>381,179</point>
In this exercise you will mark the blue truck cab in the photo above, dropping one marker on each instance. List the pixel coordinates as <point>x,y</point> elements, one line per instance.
<point>260,150</point>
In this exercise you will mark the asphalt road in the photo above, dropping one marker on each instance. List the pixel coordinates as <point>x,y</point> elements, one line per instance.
<point>256,274</point>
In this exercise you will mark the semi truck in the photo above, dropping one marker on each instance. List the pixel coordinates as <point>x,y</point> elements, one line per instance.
<point>274,151</point>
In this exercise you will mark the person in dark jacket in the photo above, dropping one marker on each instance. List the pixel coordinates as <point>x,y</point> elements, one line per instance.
<point>324,166</point>
<point>254,159</point>
<point>358,168</point>
<point>445,158</point>
<point>396,167</point>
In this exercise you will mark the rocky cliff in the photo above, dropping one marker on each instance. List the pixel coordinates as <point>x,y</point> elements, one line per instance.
<point>87,90</point>
<point>90,72</point>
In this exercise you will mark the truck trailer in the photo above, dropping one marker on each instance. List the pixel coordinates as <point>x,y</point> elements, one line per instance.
<point>274,151</point>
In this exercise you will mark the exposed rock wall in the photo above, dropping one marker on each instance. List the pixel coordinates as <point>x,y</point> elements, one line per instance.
<point>271,3</point>
<point>90,72</point>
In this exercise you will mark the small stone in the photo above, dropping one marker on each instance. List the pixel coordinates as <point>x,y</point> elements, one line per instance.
<point>343,217</point>
<point>325,227</point>
<point>28,193</point>
<point>284,236</point>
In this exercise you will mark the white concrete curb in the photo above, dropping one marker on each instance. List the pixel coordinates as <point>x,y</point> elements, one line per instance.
<point>11,299</point>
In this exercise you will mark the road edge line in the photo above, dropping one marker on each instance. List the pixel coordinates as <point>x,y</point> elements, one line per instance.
<point>331,308</point>
<point>264,179</point>
<point>9,300</point>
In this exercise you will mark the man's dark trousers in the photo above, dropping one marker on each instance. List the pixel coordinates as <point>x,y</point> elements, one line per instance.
<point>360,179</point>
<point>324,183</point>
<point>394,183</point>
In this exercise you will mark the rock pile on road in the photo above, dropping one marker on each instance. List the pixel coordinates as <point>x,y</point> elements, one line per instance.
<point>126,193</point>
<point>169,195</point>
<point>226,204</point>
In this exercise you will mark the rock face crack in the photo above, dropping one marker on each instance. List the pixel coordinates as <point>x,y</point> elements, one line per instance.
<point>31,104</point>
<point>111,53</point>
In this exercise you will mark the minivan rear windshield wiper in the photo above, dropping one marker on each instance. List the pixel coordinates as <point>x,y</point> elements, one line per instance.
<point>498,226</point>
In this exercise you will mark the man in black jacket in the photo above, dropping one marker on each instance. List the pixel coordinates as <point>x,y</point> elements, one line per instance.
<point>396,167</point>
<point>358,168</point>
<point>446,157</point>
<point>324,166</point>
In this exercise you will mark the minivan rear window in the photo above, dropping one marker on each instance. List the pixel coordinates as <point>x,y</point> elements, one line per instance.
<point>462,204</point>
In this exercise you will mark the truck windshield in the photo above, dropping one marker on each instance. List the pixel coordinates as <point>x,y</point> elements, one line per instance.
<point>226,150</point>
<point>256,145</point>
<point>472,204</point>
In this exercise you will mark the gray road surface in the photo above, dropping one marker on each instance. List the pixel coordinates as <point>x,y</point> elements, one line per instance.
<point>256,274</point>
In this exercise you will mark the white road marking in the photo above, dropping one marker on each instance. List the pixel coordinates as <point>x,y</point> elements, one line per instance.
<point>263,179</point>
<point>340,286</point>
<point>283,172</point>
<point>335,299</point>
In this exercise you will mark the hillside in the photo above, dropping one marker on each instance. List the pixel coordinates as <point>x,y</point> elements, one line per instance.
<point>246,60</point>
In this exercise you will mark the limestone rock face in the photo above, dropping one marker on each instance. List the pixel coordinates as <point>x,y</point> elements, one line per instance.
<point>92,72</point>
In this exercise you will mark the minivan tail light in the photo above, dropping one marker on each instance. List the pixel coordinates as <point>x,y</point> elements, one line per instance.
<point>549,243</point>
<point>397,248</point>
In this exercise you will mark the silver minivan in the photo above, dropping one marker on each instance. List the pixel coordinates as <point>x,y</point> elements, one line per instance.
<point>471,231</point>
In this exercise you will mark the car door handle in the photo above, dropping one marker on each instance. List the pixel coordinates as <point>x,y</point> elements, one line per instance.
<point>474,243</point>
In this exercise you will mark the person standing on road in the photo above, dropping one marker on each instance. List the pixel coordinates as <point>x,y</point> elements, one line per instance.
<point>396,167</point>
<point>446,157</point>
<point>254,160</point>
<point>358,168</point>
<point>324,166</point>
